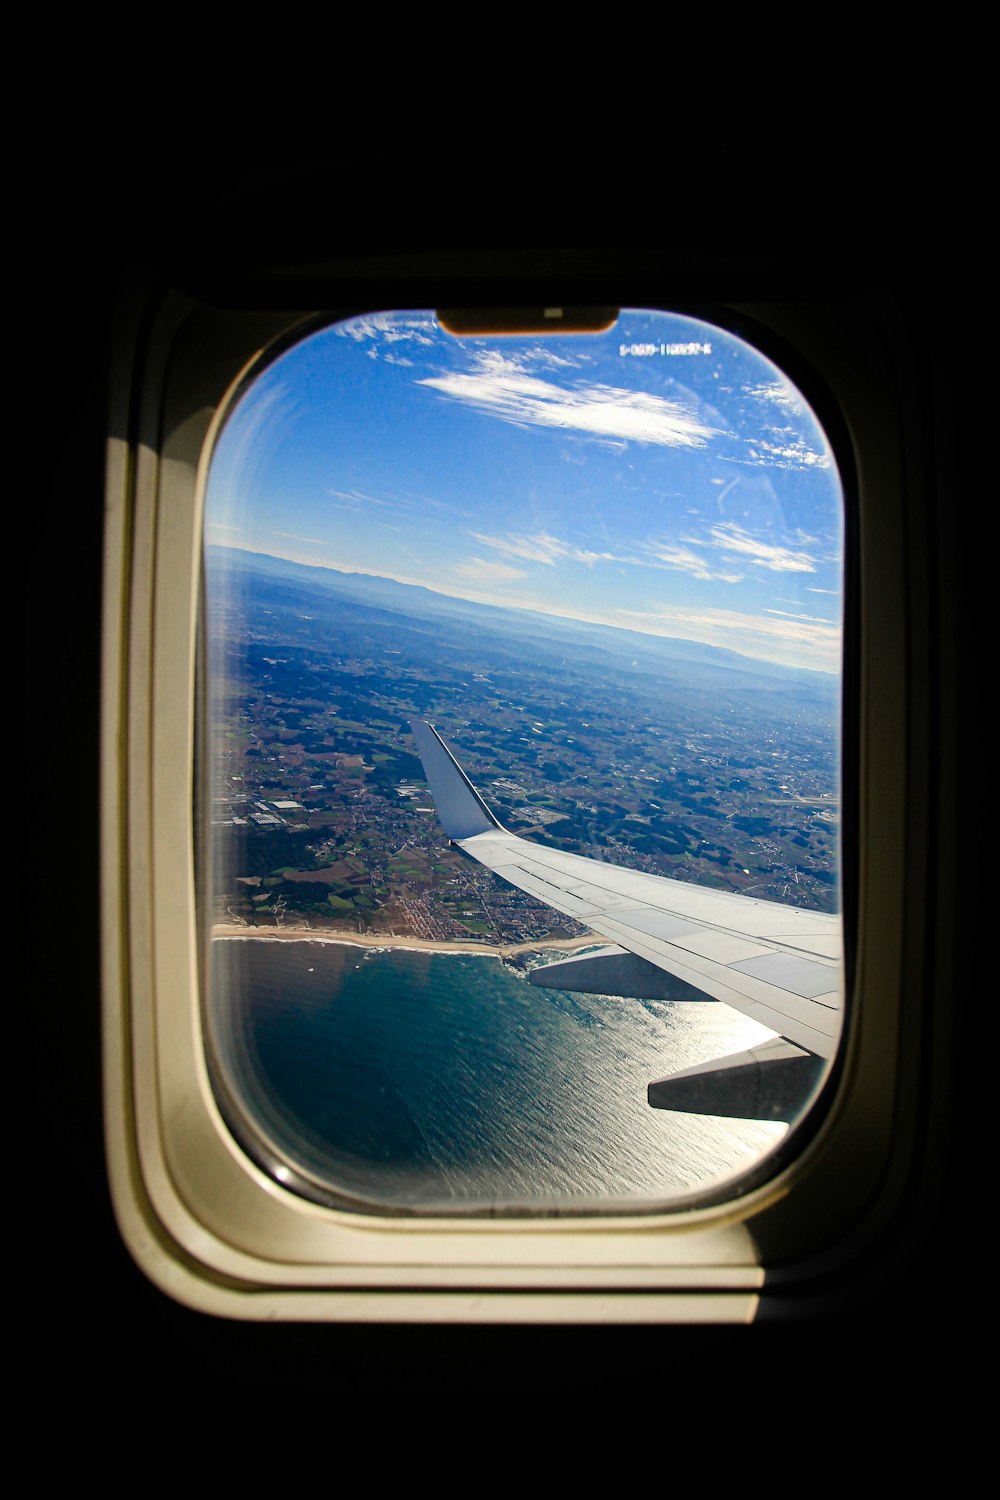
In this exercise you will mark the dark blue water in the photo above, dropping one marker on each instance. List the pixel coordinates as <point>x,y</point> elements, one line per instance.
<point>425,1080</point>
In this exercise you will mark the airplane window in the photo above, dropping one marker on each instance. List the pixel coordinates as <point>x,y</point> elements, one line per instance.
<point>522,764</point>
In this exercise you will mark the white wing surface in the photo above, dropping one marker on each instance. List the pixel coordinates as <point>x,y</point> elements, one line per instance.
<point>778,964</point>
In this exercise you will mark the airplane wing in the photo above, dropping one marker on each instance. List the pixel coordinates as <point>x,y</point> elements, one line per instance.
<point>672,940</point>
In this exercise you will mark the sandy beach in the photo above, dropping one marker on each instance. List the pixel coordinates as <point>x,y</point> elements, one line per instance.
<point>413,944</point>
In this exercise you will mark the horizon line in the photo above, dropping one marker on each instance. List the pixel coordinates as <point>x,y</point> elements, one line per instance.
<point>526,609</point>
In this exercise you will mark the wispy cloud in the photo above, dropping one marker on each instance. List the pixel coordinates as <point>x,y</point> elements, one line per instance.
<point>682,560</point>
<point>777,393</point>
<point>787,614</point>
<point>687,555</point>
<point>480,570</point>
<point>735,542</point>
<point>500,387</point>
<point>790,641</point>
<point>544,549</point>
<point>292,536</point>
<point>541,356</point>
<point>358,500</point>
<point>383,328</point>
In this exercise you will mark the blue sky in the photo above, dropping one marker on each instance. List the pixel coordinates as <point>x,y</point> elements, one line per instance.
<point>663,477</point>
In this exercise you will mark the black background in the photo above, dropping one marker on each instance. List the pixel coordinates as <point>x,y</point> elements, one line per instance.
<point>230,233</point>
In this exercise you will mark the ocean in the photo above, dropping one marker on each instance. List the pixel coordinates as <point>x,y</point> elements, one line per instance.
<point>425,1081</point>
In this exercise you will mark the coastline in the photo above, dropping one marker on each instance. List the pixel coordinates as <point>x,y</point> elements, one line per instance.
<point>406,943</point>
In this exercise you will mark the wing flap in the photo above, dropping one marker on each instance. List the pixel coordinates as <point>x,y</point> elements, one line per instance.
<point>614,971</point>
<point>764,1083</point>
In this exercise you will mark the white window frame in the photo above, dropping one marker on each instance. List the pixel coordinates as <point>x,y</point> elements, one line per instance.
<point>208,1226</point>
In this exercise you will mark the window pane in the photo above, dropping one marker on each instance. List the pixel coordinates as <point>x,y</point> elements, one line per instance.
<point>607,569</point>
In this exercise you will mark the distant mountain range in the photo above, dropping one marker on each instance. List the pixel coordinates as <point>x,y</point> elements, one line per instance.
<point>701,665</point>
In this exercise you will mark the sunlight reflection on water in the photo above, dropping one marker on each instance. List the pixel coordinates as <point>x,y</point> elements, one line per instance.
<point>431,1080</point>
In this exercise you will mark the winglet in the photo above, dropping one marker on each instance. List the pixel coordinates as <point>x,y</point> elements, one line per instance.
<point>462,811</point>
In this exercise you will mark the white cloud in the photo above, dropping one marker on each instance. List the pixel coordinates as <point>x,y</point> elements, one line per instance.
<point>500,387</point>
<point>735,542</point>
<point>795,454</point>
<point>783,453</point>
